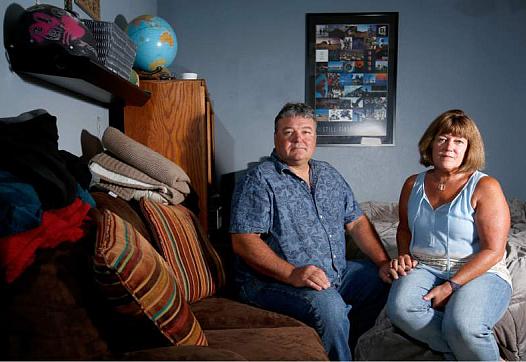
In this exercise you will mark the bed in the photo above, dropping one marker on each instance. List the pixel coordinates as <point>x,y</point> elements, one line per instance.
<point>386,342</point>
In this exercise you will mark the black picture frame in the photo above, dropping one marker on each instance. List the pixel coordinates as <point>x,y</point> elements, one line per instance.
<point>350,80</point>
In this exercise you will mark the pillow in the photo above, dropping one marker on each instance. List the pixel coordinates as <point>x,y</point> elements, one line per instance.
<point>122,208</point>
<point>137,281</point>
<point>186,248</point>
<point>212,256</point>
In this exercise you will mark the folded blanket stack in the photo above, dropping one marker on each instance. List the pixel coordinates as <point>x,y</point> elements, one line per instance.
<point>131,170</point>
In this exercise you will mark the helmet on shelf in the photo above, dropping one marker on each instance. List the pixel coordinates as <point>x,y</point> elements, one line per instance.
<point>46,26</point>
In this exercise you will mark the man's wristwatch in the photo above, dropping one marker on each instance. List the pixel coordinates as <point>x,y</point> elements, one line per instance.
<point>454,286</point>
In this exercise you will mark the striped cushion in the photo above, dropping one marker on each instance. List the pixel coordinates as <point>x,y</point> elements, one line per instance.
<point>137,281</point>
<point>186,248</point>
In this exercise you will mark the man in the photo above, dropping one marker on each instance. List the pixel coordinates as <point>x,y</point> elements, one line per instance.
<point>288,223</point>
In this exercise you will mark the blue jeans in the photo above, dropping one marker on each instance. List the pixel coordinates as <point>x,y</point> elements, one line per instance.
<point>327,311</point>
<point>464,328</point>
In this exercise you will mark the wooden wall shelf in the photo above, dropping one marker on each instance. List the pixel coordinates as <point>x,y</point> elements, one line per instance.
<point>79,75</point>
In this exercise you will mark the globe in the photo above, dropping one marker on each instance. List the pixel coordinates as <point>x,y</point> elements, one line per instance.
<point>155,41</point>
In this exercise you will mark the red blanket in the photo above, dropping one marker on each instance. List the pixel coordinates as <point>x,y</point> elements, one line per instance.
<point>17,251</point>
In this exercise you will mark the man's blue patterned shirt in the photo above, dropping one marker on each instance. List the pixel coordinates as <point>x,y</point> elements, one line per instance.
<point>303,225</point>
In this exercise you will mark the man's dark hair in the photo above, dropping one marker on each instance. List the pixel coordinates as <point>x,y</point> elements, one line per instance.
<point>294,110</point>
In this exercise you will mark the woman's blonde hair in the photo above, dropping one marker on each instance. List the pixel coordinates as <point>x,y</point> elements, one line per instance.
<point>459,124</point>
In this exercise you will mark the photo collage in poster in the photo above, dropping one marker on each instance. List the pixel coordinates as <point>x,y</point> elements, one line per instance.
<point>351,79</point>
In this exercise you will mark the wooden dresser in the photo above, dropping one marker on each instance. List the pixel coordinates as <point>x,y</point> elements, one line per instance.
<point>178,122</point>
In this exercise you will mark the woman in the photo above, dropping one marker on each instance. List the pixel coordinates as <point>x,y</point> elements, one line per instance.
<point>454,222</point>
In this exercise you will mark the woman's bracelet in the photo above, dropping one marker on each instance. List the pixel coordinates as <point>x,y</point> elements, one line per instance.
<point>454,286</point>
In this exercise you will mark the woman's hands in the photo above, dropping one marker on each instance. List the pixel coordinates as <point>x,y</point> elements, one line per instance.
<point>402,265</point>
<point>439,295</point>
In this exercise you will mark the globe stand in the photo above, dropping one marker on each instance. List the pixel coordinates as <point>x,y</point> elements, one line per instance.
<point>160,73</point>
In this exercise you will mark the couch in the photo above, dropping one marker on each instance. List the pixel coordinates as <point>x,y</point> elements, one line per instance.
<point>510,331</point>
<point>72,303</point>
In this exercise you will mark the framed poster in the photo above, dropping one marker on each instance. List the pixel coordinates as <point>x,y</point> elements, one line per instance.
<point>351,77</point>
